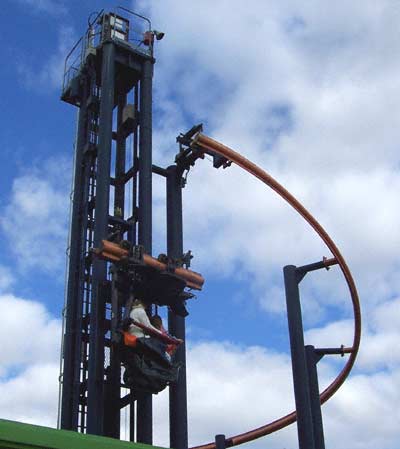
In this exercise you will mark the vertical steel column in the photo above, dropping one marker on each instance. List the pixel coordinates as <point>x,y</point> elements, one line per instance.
<point>132,231</point>
<point>113,386</point>
<point>145,403</point>
<point>220,442</point>
<point>112,408</point>
<point>69,410</point>
<point>95,414</point>
<point>312,360</point>
<point>177,393</point>
<point>119,197</point>
<point>299,365</point>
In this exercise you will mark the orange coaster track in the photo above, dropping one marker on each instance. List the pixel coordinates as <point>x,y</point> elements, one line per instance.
<point>210,145</point>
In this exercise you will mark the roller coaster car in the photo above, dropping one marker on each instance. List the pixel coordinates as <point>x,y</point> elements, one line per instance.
<point>148,367</point>
<point>152,286</point>
<point>160,281</point>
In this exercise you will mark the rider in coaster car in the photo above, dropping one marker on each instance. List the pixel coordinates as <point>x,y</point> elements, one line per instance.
<point>148,364</point>
<point>156,321</point>
<point>138,313</point>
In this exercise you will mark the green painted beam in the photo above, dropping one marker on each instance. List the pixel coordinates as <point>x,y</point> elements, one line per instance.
<point>16,435</point>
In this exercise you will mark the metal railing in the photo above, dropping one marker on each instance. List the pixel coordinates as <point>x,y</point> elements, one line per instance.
<point>124,26</point>
<point>138,26</point>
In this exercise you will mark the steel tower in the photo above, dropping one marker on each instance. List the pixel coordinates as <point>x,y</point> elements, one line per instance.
<point>108,76</point>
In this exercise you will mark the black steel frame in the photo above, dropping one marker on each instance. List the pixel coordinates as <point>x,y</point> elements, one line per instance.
<point>114,72</point>
<point>177,393</point>
<point>91,393</point>
<point>304,362</point>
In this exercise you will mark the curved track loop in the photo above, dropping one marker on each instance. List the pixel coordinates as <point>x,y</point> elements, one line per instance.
<point>207,143</point>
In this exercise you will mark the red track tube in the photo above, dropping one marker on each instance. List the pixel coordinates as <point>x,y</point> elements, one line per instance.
<point>209,144</point>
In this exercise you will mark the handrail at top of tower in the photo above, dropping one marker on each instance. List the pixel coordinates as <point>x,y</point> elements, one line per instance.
<point>135,14</point>
<point>93,37</point>
<point>90,24</point>
<point>66,70</point>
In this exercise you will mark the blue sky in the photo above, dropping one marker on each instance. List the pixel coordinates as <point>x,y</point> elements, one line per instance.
<point>310,93</point>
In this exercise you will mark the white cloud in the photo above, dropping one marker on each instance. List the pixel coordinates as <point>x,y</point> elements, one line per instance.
<point>379,337</point>
<point>29,367</point>
<point>32,395</point>
<point>29,334</point>
<point>333,335</point>
<point>234,389</point>
<point>363,414</point>
<point>35,219</point>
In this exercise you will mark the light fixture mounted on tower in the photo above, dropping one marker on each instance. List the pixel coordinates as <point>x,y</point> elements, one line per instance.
<point>148,37</point>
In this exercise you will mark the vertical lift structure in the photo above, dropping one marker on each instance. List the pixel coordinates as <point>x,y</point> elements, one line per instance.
<point>108,76</point>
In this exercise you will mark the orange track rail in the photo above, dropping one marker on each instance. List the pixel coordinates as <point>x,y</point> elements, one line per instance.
<point>209,144</point>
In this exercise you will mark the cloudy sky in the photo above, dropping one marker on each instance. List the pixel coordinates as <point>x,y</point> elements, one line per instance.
<point>309,90</point>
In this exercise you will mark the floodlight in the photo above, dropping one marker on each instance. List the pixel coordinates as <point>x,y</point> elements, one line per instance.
<point>158,34</point>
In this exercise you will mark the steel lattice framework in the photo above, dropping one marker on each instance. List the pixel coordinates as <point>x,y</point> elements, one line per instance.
<point>108,76</point>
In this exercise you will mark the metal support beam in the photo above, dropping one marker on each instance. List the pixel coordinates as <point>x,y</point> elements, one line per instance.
<point>69,410</point>
<point>220,442</point>
<point>176,324</point>
<point>119,198</point>
<point>113,393</point>
<point>113,382</point>
<point>299,364</point>
<point>132,233</point>
<point>145,403</point>
<point>312,360</point>
<point>96,357</point>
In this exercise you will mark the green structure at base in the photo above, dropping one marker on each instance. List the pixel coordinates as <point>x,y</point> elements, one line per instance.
<point>16,435</point>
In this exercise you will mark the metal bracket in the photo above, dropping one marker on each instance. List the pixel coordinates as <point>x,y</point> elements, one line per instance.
<point>186,258</point>
<point>189,151</point>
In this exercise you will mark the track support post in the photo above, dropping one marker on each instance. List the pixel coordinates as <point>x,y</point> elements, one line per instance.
<point>304,360</point>
<point>312,359</point>
<point>176,324</point>
<point>220,442</point>
<point>299,364</point>
<point>144,423</point>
